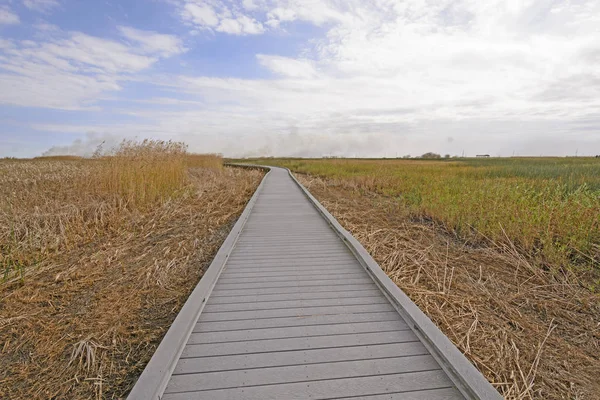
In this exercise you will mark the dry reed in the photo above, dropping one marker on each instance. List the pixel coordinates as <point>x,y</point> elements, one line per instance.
<point>143,173</point>
<point>98,256</point>
<point>213,161</point>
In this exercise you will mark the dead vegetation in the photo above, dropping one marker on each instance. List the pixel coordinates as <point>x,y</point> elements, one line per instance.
<point>98,256</point>
<point>532,331</point>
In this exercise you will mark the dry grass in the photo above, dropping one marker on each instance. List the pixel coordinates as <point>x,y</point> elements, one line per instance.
<point>533,333</point>
<point>141,174</point>
<point>59,158</point>
<point>94,272</point>
<point>213,161</point>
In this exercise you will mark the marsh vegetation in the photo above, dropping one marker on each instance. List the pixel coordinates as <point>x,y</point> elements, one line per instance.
<point>97,257</point>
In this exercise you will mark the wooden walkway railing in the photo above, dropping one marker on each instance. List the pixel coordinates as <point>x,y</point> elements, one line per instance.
<point>293,307</point>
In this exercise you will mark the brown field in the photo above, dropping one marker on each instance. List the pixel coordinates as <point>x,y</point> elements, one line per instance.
<point>97,257</point>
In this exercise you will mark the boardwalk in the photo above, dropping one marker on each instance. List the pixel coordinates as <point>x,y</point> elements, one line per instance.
<point>294,314</point>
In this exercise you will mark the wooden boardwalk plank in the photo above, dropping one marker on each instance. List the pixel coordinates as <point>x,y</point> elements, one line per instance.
<point>300,373</point>
<point>265,272</point>
<point>193,350</point>
<point>305,357</point>
<point>295,312</point>
<point>296,283</point>
<point>294,264</point>
<point>268,323</point>
<point>328,389</point>
<point>300,289</point>
<point>431,394</point>
<point>296,332</point>
<point>284,278</point>
<point>284,304</point>
<point>330,294</point>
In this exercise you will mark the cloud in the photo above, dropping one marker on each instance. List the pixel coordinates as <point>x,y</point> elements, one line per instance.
<point>72,70</point>
<point>313,11</point>
<point>154,43</point>
<point>200,14</point>
<point>7,17</point>
<point>374,78</point>
<point>249,5</point>
<point>217,16</point>
<point>241,25</point>
<point>288,67</point>
<point>41,5</point>
<point>481,73</point>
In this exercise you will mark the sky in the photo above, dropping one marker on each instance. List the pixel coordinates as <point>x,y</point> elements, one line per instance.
<point>310,78</point>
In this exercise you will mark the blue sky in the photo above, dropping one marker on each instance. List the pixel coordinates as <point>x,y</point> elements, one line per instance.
<point>302,77</point>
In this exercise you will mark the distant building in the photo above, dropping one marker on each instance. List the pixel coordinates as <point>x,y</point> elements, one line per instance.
<point>482,156</point>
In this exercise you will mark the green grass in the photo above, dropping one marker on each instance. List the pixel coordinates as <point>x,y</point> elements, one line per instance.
<point>548,207</point>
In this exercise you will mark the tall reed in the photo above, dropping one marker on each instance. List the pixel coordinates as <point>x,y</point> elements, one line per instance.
<point>143,173</point>
<point>211,161</point>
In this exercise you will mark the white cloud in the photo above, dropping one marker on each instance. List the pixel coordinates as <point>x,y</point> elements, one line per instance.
<point>249,17</point>
<point>314,11</point>
<point>41,5</point>
<point>249,5</point>
<point>220,17</point>
<point>202,15</point>
<point>154,43</point>
<point>288,67</point>
<point>7,17</point>
<point>241,25</point>
<point>409,74</point>
<point>72,70</point>
<point>383,76</point>
<point>455,59</point>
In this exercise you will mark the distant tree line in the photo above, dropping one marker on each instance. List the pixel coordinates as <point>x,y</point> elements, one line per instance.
<point>430,155</point>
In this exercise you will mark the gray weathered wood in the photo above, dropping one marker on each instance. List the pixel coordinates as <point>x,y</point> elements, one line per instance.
<point>283,304</point>
<point>296,283</point>
<point>296,331</point>
<point>294,264</point>
<point>268,273</point>
<point>317,319</point>
<point>332,294</point>
<point>294,312</point>
<point>193,350</point>
<point>322,255</point>
<point>300,373</point>
<point>300,289</point>
<point>286,278</point>
<point>327,389</point>
<point>305,357</point>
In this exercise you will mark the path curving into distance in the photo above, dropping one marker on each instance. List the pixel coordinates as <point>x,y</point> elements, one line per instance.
<point>293,307</point>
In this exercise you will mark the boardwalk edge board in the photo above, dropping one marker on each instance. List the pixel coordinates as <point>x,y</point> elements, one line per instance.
<point>155,377</point>
<point>467,378</point>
